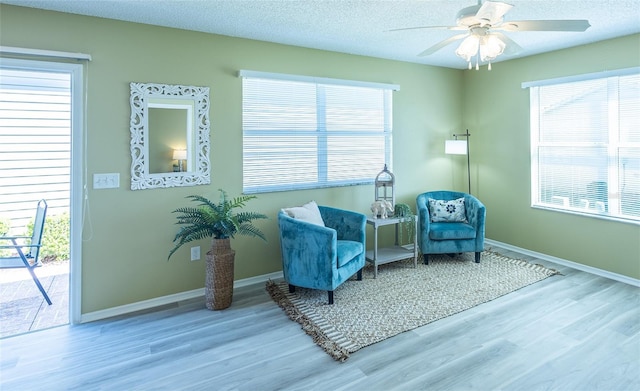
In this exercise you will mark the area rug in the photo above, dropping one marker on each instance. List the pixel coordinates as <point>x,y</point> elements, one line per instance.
<point>402,298</point>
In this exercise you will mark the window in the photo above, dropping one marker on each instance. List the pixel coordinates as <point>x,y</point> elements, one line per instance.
<point>302,133</point>
<point>585,144</point>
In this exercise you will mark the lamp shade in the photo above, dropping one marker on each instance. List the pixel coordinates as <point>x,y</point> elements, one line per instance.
<point>455,147</point>
<point>179,154</point>
<point>468,48</point>
<point>491,48</point>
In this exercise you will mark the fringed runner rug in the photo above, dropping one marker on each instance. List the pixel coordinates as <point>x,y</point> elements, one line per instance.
<point>402,298</point>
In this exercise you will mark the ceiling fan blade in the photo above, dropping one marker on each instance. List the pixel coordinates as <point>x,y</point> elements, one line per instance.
<point>511,47</point>
<point>545,25</point>
<point>431,27</point>
<point>441,44</point>
<point>491,12</point>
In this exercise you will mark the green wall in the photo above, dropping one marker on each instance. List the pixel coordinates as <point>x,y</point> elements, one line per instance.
<point>124,259</point>
<point>124,254</point>
<point>496,111</point>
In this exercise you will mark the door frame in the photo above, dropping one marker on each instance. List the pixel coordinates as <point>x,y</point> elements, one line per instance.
<point>78,170</point>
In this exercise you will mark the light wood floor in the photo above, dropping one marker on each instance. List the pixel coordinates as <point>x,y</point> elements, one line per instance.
<point>571,332</point>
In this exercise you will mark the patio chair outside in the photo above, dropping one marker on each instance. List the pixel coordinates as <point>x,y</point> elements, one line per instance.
<point>27,248</point>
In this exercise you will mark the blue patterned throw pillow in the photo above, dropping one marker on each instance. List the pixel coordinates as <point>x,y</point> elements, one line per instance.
<point>447,211</point>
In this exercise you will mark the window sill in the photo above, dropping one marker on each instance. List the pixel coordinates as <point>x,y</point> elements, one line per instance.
<point>581,212</point>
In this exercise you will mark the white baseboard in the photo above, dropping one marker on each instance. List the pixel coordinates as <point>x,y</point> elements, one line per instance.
<point>564,262</point>
<point>169,299</point>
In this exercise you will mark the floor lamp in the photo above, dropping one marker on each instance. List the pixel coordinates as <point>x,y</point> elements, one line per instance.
<point>460,147</point>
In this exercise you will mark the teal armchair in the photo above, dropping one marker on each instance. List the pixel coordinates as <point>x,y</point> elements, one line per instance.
<point>319,257</point>
<point>453,231</point>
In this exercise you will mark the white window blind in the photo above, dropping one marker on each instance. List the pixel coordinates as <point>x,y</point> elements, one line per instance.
<point>585,146</point>
<point>35,142</point>
<point>301,133</point>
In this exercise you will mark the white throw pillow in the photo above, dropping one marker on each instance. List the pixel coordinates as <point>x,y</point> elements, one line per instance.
<point>308,212</point>
<point>447,211</point>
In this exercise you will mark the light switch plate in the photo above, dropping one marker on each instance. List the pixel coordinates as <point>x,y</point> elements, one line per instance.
<point>106,181</point>
<point>195,253</point>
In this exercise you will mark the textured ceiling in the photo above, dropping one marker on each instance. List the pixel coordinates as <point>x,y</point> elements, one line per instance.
<point>361,26</point>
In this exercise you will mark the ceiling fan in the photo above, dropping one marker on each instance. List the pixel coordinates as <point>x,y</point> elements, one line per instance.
<point>483,39</point>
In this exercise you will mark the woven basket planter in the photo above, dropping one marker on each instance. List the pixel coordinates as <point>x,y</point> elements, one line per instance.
<point>219,275</point>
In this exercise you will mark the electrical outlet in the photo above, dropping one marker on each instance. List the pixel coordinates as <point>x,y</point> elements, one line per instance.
<point>195,253</point>
<point>106,181</point>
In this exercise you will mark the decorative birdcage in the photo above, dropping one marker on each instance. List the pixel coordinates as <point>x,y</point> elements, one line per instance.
<point>384,186</point>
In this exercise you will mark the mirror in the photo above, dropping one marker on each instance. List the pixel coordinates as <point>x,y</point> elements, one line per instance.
<point>169,136</point>
<point>172,130</point>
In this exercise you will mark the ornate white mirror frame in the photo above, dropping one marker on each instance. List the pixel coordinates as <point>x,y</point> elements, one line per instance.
<point>146,95</point>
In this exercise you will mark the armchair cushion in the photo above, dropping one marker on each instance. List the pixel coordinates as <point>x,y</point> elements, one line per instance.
<point>308,212</point>
<point>347,250</point>
<point>447,210</point>
<point>448,231</point>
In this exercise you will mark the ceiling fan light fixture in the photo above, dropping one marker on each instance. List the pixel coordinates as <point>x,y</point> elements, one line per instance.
<point>468,47</point>
<point>491,47</point>
<point>487,46</point>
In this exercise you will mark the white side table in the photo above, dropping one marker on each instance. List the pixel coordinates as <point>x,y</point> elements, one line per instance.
<point>379,256</point>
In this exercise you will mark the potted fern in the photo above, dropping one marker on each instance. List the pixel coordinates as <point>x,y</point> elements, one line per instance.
<point>221,222</point>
